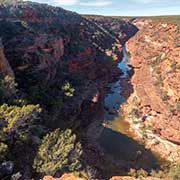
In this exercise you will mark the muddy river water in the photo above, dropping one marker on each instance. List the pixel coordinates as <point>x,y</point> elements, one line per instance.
<point>115,138</point>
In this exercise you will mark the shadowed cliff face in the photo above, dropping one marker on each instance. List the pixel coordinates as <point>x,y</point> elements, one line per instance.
<point>156,61</point>
<point>72,177</point>
<point>45,46</point>
<point>5,68</point>
<point>40,39</point>
<point>48,51</point>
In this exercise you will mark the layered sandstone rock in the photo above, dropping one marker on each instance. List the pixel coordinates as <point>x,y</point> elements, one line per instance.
<point>72,177</point>
<point>131,178</point>
<point>64,177</point>
<point>40,39</point>
<point>45,45</point>
<point>156,84</point>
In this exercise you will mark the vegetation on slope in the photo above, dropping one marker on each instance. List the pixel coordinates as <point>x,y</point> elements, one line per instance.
<point>31,116</point>
<point>58,153</point>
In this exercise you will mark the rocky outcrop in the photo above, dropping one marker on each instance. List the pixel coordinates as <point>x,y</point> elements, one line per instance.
<point>40,39</point>
<point>5,68</point>
<point>155,60</point>
<point>45,45</point>
<point>64,177</point>
<point>131,178</point>
<point>72,177</point>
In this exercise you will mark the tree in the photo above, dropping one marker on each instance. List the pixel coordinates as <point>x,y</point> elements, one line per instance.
<point>68,89</point>
<point>58,153</point>
<point>8,90</point>
<point>3,151</point>
<point>15,116</point>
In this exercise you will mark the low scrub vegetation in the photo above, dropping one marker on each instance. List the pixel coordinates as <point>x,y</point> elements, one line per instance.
<point>22,126</point>
<point>58,153</point>
<point>172,172</point>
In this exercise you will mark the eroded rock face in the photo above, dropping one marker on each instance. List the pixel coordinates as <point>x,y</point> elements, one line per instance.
<point>156,60</point>
<point>40,39</point>
<point>64,177</point>
<point>72,177</point>
<point>131,178</point>
<point>5,68</point>
<point>47,46</point>
<point>44,44</point>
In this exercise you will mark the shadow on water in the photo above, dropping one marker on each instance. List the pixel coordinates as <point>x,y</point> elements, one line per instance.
<point>115,138</point>
<point>126,149</point>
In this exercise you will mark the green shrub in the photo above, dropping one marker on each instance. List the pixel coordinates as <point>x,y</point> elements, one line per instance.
<point>173,66</point>
<point>14,115</point>
<point>178,66</point>
<point>138,173</point>
<point>157,70</point>
<point>135,113</point>
<point>142,173</point>
<point>68,90</point>
<point>178,106</point>
<point>3,151</point>
<point>159,174</point>
<point>164,96</point>
<point>159,80</point>
<point>132,172</point>
<point>174,172</point>
<point>7,88</point>
<point>58,153</point>
<point>157,60</point>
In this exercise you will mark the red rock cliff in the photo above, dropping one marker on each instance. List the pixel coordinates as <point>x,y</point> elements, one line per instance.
<point>5,68</point>
<point>155,58</point>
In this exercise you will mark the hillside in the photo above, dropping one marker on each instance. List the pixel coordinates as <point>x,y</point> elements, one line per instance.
<point>71,82</point>
<point>54,65</point>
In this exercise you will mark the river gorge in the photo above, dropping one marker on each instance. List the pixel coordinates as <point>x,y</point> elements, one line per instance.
<point>112,133</point>
<point>97,97</point>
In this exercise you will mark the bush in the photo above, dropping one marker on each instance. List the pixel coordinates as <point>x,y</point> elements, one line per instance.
<point>164,96</point>
<point>138,173</point>
<point>159,80</point>
<point>15,116</point>
<point>159,174</point>
<point>173,66</point>
<point>174,172</point>
<point>68,90</point>
<point>58,153</point>
<point>3,151</point>
<point>178,106</point>
<point>8,89</point>
<point>135,113</point>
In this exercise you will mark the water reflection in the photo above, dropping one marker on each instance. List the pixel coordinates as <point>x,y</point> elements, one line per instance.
<point>115,138</point>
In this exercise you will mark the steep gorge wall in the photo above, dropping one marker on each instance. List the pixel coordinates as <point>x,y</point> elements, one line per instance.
<point>48,45</point>
<point>48,48</point>
<point>41,38</point>
<point>5,68</point>
<point>155,59</point>
<point>72,177</point>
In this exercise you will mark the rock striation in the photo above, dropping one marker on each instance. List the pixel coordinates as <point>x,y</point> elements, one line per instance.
<point>45,45</point>
<point>72,177</point>
<point>155,59</point>
<point>41,38</point>
<point>47,48</point>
